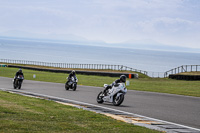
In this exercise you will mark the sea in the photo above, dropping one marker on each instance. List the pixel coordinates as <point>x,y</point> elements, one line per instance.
<point>153,61</point>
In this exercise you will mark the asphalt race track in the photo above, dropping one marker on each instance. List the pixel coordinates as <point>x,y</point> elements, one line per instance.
<point>184,110</point>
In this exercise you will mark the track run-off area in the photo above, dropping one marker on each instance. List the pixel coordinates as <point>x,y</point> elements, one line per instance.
<point>181,110</point>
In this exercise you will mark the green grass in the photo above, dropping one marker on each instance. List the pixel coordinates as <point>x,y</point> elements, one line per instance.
<point>24,114</point>
<point>162,85</point>
<point>171,86</point>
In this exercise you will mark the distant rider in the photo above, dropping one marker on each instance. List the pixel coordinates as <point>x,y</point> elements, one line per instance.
<point>18,73</point>
<point>122,79</point>
<point>72,74</point>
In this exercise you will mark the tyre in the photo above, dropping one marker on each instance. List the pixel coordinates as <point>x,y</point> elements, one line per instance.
<point>19,85</point>
<point>14,86</point>
<point>100,97</point>
<point>118,100</point>
<point>66,87</point>
<point>74,88</point>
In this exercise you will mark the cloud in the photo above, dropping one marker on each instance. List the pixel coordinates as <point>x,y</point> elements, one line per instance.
<point>107,20</point>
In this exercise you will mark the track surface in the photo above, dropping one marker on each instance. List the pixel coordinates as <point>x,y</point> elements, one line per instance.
<point>178,109</point>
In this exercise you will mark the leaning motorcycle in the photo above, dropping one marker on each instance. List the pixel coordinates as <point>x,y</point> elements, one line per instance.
<point>71,84</point>
<point>17,84</point>
<point>114,95</point>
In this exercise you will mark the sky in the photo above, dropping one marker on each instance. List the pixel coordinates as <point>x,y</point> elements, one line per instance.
<point>169,22</point>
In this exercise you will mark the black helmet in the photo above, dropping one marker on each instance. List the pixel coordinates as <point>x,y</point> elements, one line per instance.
<point>123,78</point>
<point>20,71</point>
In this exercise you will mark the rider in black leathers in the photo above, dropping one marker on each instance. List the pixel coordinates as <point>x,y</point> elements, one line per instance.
<point>122,79</point>
<point>19,72</point>
<point>72,74</point>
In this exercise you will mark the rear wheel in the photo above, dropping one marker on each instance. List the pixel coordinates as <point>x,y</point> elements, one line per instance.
<point>100,97</point>
<point>118,100</point>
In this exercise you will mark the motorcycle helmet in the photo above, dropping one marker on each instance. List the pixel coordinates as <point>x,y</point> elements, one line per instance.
<point>123,78</point>
<point>73,72</point>
<point>20,71</point>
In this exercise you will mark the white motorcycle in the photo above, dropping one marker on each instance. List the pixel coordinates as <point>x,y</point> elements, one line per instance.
<point>113,95</point>
<point>17,83</point>
<point>71,84</point>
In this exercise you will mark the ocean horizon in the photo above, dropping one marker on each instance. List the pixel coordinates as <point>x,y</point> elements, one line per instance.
<point>152,61</point>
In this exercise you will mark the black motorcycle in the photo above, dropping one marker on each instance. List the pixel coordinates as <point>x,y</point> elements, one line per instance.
<point>71,83</point>
<point>17,84</point>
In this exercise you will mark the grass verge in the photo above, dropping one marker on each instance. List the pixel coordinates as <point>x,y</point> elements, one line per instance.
<point>24,114</point>
<point>162,85</point>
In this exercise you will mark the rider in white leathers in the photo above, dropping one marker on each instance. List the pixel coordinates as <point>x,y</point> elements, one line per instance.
<point>122,79</point>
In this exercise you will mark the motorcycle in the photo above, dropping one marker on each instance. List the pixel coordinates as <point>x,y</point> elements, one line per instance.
<point>18,82</point>
<point>113,95</point>
<point>71,84</point>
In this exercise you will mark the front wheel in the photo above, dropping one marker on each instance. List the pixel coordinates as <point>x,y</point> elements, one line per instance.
<point>19,85</point>
<point>75,86</point>
<point>118,100</point>
<point>66,86</point>
<point>100,97</point>
<point>14,86</point>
